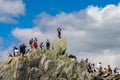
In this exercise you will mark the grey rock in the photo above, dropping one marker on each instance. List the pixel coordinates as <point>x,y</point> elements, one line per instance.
<point>45,65</point>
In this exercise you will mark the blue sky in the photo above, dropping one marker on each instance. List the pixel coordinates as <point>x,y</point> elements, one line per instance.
<point>91,27</point>
<point>52,7</point>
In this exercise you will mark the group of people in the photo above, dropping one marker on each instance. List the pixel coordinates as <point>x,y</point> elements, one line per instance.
<point>91,68</point>
<point>117,71</point>
<point>106,71</point>
<point>34,44</point>
<point>20,51</point>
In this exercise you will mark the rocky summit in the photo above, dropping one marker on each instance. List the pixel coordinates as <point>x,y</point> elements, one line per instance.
<point>46,65</point>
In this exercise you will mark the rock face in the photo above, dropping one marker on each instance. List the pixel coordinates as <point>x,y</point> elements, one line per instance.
<point>41,66</point>
<point>60,46</point>
<point>45,65</point>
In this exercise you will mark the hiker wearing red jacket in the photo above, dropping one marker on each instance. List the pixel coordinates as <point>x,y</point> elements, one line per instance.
<point>35,43</point>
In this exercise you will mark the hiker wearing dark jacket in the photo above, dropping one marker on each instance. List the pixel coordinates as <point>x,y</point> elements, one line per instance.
<point>48,44</point>
<point>20,48</point>
<point>23,49</point>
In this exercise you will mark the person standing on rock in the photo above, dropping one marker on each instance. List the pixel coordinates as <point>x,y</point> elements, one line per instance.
<point>23,49</point>
<point>109,70</point>
<point>59,32</point>
<point>48,44</point>
<point>15,51</point>
<point>42,45</point>
<point>31,43</point>
<point>35,43</point>
<point>99,67</point>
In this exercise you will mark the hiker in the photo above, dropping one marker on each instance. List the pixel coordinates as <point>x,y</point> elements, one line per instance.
<point>59,32</point>
<point>20,48</point>
<point>31,43</point>
<point>93,68</point>
<point>99,67</point>
<point>23,49</point>
<point>15,51</point>
<point>109,70</point>
<point>35,43</point>
<point>42,45</point>
<point>116,71</point>
<point>89,68</point>
<point>48,44</point>
<point>86,60</point>
<point>35,40</point>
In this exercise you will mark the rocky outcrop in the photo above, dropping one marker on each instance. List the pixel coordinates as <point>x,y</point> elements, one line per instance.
<point>39,65</point>
<point>46,65</point>
<point>60,46</point>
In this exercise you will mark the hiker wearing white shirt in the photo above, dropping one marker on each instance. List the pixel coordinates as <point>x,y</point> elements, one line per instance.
<point>99,68</point>
<point>15,51</point>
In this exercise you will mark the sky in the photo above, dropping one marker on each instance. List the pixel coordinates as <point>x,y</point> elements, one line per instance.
<point>91,27</point>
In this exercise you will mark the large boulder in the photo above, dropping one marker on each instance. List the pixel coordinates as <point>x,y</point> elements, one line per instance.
<point>59,46</point>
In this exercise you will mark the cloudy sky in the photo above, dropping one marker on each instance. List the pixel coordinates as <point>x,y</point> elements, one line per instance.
<point>91,27</point>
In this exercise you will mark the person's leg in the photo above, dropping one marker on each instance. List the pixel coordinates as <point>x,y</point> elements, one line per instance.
<point>31,46</point>
<point>14,54</point>
<point>22,53</point>
<point>48,47</point>
<point>59,34</point>
<point>41,47</point>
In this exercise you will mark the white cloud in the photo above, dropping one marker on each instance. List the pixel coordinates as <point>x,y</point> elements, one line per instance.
<point>90,31</point>
<point>7,19</point>
<point>5,53</point>
<point>9,9</point>
<point>24,35</point>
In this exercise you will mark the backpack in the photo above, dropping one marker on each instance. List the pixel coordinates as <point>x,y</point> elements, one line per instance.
<point>59,29</point>
<point>30,42</point>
